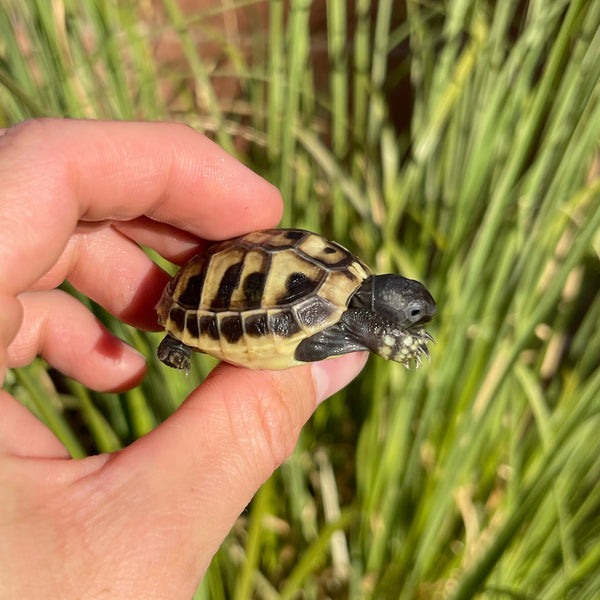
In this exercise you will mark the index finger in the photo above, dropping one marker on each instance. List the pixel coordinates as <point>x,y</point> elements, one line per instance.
<point>56,173</point>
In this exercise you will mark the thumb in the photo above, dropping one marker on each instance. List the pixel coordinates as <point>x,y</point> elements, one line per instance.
<point>203,464</point>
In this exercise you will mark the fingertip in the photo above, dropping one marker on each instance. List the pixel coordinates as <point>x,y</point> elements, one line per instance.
<point>271,211</point>
<point>126,365</point>
<point>331,375</point>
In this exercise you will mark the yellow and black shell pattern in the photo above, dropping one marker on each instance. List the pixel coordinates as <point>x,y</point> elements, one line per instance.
<point>251,300</point>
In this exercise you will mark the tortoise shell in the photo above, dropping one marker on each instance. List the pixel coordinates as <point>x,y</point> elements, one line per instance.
<point>252,300</point>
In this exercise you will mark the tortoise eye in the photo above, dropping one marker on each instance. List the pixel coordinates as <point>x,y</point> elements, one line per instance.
<point>415,312</point>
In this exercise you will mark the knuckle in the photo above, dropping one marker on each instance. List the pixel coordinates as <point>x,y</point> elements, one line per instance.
<point>275,416</point>
<point>267,422</point>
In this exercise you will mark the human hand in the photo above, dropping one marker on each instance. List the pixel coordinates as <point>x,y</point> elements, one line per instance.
<point>75,198</point>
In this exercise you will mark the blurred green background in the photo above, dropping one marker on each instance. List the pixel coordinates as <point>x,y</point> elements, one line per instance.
<point>454,142</point>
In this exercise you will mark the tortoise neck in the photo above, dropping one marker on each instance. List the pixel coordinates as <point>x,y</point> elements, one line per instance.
<point>364,297</point>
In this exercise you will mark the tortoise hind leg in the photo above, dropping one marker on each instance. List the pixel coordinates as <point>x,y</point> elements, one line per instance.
<point>174,353</point>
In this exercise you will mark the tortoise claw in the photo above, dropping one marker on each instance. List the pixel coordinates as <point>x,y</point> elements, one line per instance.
<point>427,335</point>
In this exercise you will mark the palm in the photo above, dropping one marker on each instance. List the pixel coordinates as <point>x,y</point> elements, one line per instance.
<point>76,201</point>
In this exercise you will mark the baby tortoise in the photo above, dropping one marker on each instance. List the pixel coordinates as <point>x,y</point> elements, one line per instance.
<point>279,298</point>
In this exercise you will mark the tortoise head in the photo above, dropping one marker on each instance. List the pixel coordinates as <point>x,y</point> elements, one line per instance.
<point>404,302</point>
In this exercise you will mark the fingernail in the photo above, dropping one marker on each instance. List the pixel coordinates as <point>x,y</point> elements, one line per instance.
<point>332,375</point>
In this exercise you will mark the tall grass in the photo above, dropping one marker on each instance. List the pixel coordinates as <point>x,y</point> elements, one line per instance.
<point>478,475</point>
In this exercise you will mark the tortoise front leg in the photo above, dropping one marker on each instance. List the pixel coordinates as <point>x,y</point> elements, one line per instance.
<point>385,338</point>
<point>333,341</point>
<point>362,329</point>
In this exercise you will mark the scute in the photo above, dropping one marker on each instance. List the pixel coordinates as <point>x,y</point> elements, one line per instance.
<point>231,327</point>
<point>283,323</point>
<point>208,328</point>
<point>253,278</point>
<point>253,288</point>
<point>252,300</point>
<point>190,296</point>
<point>297,285</point>
<point>328,253</point>
<point>256,324</point>
<point>227,285</point>
<point>221,279</point>
<point>316,313</point>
